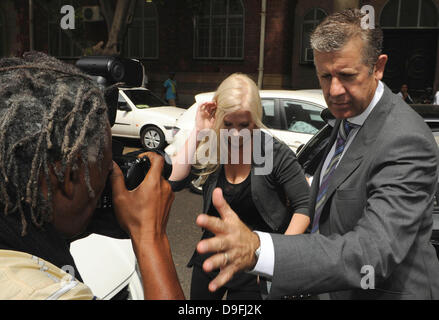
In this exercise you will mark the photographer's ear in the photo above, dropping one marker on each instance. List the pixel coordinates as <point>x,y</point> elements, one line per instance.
<point>66,187</point>
<point>71,178</point>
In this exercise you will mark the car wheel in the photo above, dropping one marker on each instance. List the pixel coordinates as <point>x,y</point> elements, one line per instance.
<point>196,185</point>
<point>152,138</point>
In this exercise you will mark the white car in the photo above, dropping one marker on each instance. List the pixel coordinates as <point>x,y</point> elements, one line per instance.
<point>143,115</point>
<point>291,116</point>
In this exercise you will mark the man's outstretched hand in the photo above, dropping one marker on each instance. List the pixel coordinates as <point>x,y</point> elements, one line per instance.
<point>234,243</point>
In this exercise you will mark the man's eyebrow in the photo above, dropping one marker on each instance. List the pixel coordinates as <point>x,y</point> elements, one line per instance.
<point>347,71</point>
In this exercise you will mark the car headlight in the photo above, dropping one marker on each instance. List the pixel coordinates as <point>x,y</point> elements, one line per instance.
<point>174,130</point>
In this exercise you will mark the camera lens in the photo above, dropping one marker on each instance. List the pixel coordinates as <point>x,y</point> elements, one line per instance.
<point>117,71</point>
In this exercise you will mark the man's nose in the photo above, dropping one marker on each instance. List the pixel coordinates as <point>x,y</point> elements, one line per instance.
<point>336,88</point>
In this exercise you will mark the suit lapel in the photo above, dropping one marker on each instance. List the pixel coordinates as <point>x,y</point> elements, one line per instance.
<point>316,179</point>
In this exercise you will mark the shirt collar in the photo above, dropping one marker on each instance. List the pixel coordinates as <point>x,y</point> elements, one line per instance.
<point>359,119</point>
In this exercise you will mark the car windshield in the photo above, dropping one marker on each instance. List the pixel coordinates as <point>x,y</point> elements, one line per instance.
<point>144,99</point>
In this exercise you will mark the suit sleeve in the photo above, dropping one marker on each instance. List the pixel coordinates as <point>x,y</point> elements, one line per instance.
<point>400,190</point>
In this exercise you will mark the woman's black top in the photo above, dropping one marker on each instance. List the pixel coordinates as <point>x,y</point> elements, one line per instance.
<point>239,197</point>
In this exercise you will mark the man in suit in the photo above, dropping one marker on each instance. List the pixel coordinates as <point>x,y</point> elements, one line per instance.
<point>371,198</point>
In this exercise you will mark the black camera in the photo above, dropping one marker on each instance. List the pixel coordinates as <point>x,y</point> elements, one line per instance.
<point>134,171</point>
<point>108,71</point>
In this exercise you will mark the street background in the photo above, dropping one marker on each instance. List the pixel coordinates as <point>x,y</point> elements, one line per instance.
<point>184,234</point>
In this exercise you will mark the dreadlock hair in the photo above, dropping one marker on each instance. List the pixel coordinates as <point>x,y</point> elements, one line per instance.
<point>49,112</point>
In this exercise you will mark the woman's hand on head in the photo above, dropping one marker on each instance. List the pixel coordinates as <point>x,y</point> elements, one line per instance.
<point>205,117</point>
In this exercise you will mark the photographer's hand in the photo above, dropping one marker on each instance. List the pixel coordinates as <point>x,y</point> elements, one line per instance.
<point>143,213</point>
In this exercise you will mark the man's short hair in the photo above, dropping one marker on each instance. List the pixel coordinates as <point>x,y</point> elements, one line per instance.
<point>49,112</point>
<point>340,27</point>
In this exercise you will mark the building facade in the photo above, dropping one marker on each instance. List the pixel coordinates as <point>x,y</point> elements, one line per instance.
<point>203,41</point>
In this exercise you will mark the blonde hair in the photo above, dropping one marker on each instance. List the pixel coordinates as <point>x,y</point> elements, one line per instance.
<point>237,92</point>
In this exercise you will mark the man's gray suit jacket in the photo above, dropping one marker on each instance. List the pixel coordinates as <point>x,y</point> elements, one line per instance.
<point>377,219</point>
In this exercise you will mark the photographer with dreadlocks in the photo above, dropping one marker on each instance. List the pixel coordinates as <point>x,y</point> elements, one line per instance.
<point>55,157</point>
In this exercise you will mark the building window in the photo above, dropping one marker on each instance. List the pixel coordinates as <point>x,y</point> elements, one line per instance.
<point>219,30</point>
<point>418,14</point>
<point>310,21</point>
<point>141,40</point>
<point>60,42</point>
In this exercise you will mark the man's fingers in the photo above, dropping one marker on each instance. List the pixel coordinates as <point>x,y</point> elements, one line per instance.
<point>215,244</point>
<point>217,261</point>
<point>213,224</point>
<point>221,204</point>
<point>222,278</point>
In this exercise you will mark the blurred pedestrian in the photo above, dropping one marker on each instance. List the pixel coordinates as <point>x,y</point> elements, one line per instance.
<point>404,94</point>
<point>145,78</point>
<point>427,96</point>
<point>170,89</point>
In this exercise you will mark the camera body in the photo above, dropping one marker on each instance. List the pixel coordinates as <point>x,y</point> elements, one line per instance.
<point>107,71</point>
<point>134,171</point>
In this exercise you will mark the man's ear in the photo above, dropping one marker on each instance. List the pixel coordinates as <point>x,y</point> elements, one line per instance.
<point>380,66</point>
<point>71,178</point>
<point>69,184</point>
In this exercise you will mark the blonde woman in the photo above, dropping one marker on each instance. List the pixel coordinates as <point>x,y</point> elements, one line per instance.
<point>276,201</point>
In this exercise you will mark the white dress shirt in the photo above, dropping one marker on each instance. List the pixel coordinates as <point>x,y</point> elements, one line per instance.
<point>265,263</point>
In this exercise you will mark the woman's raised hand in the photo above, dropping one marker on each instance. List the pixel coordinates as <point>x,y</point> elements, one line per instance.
<point>205,117</point>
